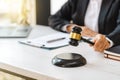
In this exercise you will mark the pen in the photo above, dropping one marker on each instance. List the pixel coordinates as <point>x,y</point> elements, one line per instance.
<point>58,39</point>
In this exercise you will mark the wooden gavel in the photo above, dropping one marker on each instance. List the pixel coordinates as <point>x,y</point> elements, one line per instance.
<point>75,36</point>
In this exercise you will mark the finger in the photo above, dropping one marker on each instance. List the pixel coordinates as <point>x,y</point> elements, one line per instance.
<point>90,45</point>
<point>100,43</point>
<point>100,46</point>
<point>105,45</point>
<point>99,49</point>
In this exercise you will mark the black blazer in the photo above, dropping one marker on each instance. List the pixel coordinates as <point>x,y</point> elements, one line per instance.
<point>75,10</point>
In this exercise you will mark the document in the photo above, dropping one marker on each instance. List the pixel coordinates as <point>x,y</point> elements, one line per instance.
<point>49,42</point>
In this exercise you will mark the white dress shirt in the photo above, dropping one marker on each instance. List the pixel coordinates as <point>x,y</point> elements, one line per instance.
<point>92,14</point>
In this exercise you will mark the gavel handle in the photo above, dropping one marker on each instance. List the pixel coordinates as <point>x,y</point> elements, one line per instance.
<point>85,40</point>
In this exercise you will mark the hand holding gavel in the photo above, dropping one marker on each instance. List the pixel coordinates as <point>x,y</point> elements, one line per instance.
<point>75,37</point>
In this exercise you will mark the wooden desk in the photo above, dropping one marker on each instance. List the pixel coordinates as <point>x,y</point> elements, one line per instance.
<point>35,63</point>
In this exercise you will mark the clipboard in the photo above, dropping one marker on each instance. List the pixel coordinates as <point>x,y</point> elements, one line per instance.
<point>52,41</point>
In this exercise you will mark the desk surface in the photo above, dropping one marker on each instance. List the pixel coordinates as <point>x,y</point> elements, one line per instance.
<point>36,62</point>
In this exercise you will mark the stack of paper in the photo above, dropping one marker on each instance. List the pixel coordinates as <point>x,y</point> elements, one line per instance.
<point>50,41</point>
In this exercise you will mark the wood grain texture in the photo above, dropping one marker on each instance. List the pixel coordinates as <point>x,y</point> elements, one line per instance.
<point>6,76</point>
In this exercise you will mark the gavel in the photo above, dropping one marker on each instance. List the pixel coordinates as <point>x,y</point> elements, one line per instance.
<point>72,59</point>
<point>75,37</point>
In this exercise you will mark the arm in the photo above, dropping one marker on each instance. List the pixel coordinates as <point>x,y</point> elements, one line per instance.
<point>61,20</point>
<point>63,16</point>
<point>115,35</point>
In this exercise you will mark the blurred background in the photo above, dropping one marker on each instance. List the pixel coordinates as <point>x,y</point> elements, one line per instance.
<point>14,12</point>
<point>26,12</point>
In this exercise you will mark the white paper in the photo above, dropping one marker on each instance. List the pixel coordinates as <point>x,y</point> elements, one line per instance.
<point>43,41</point>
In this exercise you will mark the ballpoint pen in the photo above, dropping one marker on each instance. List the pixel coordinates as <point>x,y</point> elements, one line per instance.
<point>54,40</point>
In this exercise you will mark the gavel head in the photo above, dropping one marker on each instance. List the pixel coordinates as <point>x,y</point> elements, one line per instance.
<point>75,36</point>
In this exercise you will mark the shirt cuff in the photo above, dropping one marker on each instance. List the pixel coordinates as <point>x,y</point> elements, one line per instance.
<point>110,41</point>
<point>64,28</point>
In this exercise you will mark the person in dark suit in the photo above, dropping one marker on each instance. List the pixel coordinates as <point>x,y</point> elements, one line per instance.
<point>97,18</point>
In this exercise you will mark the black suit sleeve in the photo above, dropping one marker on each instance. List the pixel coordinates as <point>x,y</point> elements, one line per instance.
<point>115,35</point>
<point>62,17</point>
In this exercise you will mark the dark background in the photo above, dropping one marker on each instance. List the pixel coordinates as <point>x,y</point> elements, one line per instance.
<point>42,11</point>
